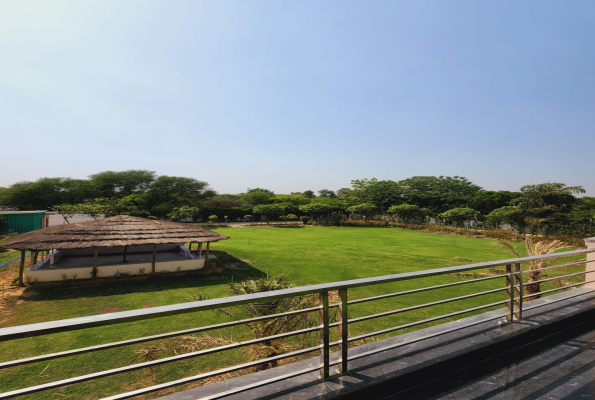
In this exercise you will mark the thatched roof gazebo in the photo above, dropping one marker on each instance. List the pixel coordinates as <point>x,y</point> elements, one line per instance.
<point>118,231</point>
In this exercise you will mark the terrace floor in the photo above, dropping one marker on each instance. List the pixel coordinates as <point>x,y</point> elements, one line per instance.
<point>113,259</point>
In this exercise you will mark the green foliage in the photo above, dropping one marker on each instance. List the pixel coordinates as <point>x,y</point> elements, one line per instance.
<point>327,193</point>
<point>545,205</point>
<point>258,196</point>
<point>184,212</point>
<point>486,201</point>
<point>317,212</point>
<point>291,217</point>
<point>225,201</point>
<point>249,217</point>
<point>504,215</point>
<point>293,200</point>
<point>268,211</point>
<point>363,210</point>
<point>309,194</point>
<point>438,194</point>
<point>408,213</point>
<point>213,218</point>
<point>458,216</point>
<point>112,184</point>
<point>288,322</point>
<point>382,194</point>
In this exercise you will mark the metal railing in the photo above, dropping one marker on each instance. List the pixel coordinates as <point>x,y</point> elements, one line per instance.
<point>514,299</point>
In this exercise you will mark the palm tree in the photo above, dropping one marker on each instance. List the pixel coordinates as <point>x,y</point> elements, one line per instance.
<point>544,204</point>
<point>538,248</point>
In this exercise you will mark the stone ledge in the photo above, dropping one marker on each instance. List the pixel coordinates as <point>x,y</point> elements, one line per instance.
<point>395,370</point>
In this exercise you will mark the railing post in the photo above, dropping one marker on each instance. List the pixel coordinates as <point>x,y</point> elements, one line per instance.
<point>518,274</point>
<point>323,314</point>
<point>590,266</point>
<point>509,293</point>
<point>343,330</point>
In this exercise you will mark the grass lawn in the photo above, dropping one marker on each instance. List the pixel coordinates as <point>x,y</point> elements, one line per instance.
<point>307,255</point>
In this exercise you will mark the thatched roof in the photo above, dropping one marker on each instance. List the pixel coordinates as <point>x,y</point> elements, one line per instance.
<point>122,230</point>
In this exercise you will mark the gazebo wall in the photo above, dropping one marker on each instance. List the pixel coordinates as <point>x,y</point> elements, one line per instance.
<point>58,274</point>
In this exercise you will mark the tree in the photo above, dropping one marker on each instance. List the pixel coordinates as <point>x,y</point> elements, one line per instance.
<point>486,201</point>
<point>438,194</point>
<point>458,216</point>
<point>363,210</point>
<point>167,192</point>
<point>112,184</point>
<point>408,213</point>
<point>536,248</point>
<point>381,194</point>
<point>327,193</point>
<point>258,196</point>
<point>268,211</point>
<point>225,201</point>
<point>308,194</point>
<point>184,212</point>
<point>317,211</point>
<point>546,204</point>
<point>505,215</point>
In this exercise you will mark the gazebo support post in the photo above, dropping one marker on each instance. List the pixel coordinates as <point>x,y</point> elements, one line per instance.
<point>207,254</point>
<point>36,254</point>
<point>154,258</point>
<point>125,250</point>
<point>95,257</point>
<point>22,267</point>
<point>190,247</point>
<point>199,251</point>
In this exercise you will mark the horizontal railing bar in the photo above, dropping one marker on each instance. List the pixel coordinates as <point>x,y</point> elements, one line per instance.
<point>555,301</point>
<point>392,312</point>
<point>420,338</point>
<point>425,321</point>
<point>44,328</point>
<point>160,361</point>
<point>556,289</point>
<point>213,373</point>
<point>106,346</point>
<point>558,266</point>
<point>386,296</point>
<point>557,277</point>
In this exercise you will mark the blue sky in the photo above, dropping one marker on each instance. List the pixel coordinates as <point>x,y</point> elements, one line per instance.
<point>298,95</point>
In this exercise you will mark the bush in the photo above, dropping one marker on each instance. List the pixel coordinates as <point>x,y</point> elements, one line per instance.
<point>458,216</point>
<point>291,217</point>
<point>364,223</point>
<point>305,219</point>
<point>213,218</point>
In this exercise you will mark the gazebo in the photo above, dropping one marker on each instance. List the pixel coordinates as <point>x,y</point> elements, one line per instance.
<point>120,245</point>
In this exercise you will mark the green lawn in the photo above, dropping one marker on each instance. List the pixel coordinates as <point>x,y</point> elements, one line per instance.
<point>307,255</point>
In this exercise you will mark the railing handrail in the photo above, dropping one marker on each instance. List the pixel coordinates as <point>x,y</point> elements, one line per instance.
<point>43,328</point>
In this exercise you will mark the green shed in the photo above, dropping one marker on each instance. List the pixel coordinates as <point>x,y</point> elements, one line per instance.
<point>22,221</point>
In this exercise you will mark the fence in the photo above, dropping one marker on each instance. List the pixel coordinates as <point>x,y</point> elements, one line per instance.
<point>513,301</point>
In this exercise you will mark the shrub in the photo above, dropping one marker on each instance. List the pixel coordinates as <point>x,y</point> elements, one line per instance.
<point>291,217</point>
<point>305,219</point>
<point>458,216</point>
<point>213,218</point>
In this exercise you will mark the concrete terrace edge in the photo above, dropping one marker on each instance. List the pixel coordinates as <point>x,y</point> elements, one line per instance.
<point>412,364</point>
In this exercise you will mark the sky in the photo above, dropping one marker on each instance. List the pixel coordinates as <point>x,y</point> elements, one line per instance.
<point>299,95</point>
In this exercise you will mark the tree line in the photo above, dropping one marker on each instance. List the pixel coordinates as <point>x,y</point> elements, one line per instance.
<point>540,208</point>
